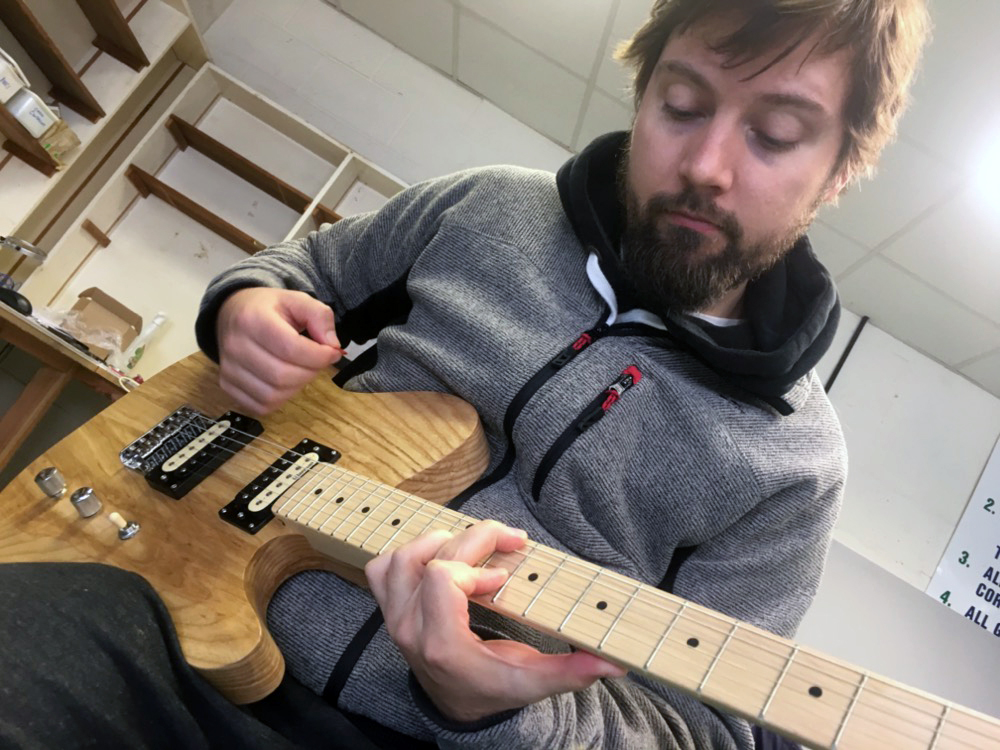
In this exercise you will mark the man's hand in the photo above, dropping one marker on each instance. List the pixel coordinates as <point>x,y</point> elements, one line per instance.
<point>264,360</point>
<point>423,589</point>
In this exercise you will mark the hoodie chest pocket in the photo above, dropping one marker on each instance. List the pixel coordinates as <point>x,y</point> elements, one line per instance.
<point>591,414</point>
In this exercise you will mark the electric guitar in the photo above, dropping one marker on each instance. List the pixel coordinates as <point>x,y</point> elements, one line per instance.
<point>216,509</point>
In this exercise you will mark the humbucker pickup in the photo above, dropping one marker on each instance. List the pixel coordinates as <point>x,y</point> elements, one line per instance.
<point>188,446</point>
<point>251,510</point>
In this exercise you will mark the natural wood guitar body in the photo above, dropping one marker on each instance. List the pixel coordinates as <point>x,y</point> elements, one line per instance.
<point>215,579</point>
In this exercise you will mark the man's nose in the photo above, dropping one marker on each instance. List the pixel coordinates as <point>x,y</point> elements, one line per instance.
<point>709,163</point>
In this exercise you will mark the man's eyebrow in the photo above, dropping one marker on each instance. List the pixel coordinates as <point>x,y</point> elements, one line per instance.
<point>796,101</point>
<point>686,71</point>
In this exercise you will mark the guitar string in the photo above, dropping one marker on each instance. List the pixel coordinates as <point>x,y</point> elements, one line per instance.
<point>536,548</point>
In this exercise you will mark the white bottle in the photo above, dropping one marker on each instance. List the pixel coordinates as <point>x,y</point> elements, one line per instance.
<point>12,78</point>
<point>32,112</point>
<point>138,348</point>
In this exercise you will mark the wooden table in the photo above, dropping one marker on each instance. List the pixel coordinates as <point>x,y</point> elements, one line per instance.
<point>61,362</point>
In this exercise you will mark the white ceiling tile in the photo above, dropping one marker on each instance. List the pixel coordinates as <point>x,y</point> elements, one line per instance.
<point>835,251</point>
<point>338,36</point>
<point>952,114</point>
<point>425,88</point>
<point>956,249</point>
<point>986,372</point>
<point>908,183</point>
<point>613,77</point>
<point>567,31</point>
<point>424,29</point>
<point>495,138</point>
<point>518,80</point>
<point>354,98</point>
<point>917,314</point>
<point>603,115</point>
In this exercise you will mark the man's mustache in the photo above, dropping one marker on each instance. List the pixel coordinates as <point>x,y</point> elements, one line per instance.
<point>694,204</point>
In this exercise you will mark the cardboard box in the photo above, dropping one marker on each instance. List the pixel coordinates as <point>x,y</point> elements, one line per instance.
<point>97,314</point>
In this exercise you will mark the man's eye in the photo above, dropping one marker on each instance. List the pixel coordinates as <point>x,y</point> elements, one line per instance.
<point>680,115</point>
<point>775,145</point>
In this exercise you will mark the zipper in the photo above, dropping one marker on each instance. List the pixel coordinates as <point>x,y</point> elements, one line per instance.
<point>520,400</point>
<point>591,415</point>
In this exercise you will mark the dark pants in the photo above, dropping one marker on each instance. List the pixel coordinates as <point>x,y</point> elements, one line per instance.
<point>89,659</point>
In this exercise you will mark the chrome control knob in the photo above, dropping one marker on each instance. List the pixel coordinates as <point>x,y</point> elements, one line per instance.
<point>51,482</point>
<point>86,502</point>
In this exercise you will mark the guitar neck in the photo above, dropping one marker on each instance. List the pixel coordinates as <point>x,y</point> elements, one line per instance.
<point>738,668</point>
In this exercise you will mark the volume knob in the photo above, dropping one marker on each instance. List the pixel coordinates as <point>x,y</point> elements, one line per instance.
<point>51,482</point>
<point>85,502</point>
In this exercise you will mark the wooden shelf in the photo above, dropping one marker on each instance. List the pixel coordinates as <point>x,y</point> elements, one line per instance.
<point>147,184</point>
<point>25,146</point>
<point>67,86</point>
<point>114,35</point>
<point>187,135</point>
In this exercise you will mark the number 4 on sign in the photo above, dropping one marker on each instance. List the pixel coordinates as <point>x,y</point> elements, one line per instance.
<point>945,597</point>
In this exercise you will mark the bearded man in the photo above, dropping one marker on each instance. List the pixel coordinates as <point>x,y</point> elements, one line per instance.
<point>638,335</point>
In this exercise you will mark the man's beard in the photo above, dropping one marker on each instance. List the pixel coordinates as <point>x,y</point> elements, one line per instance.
<point>674,269</point>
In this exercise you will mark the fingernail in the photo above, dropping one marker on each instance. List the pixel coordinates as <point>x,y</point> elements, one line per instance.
<point>332,340</point>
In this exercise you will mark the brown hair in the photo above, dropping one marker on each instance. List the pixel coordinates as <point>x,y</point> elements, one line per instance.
<point>885,36</point>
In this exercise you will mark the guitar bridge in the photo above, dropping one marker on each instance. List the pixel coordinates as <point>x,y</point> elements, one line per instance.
<point>187,446</point>
<point>251,510</point>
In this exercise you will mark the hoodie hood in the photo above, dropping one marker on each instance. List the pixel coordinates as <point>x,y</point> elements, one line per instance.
<point>792,311</point>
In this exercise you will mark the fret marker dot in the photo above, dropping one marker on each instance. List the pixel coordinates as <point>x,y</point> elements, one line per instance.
<point>469,525</point>
<point>319,491</point>
<point>395,522</point>
<point>816,692</point>
<point>339,500</point>
<point>602,605</point>
<point>533,577</point>
<point>365,509</point>
<point>693,642</point>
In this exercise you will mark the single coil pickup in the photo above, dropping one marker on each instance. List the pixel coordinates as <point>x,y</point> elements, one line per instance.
<point>192,457</point>
<point>251,510</point>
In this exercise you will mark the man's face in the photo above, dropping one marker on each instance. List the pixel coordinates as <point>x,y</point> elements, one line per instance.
<point>726,171</point>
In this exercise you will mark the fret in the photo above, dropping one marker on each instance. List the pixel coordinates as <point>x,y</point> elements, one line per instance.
<point>292,507</point>
<point>663,638</point>
<point>347,502</point>
<point>511,577</point>
<point>967,729</point>
<point>940,726</point>
<point>850,710</point>
<point>718,655</point>
<point>781,677</point>
<point>582,596</point>
<point>544,586</point>
<point>618,617</point>
<point>399,527</point>
<point>378,511</point>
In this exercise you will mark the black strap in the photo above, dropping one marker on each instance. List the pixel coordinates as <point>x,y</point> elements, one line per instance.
<point>345,664</point>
